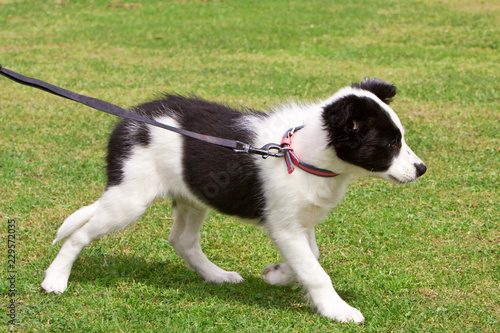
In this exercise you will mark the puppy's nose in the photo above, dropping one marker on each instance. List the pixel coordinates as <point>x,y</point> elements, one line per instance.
<point>421,169</point>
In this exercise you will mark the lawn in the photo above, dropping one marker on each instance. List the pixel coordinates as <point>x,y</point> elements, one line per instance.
<point>420,257</point>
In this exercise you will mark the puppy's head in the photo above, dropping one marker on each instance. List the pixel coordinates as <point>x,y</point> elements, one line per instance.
<point>365,132</point>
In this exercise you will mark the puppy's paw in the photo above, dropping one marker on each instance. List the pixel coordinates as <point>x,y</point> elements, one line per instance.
<point>224,277</point>
<point>56,284</point>
<point>343,313</point>
<point>278,275</point>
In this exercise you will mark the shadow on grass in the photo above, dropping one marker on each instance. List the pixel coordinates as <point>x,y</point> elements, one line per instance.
<point>170,276</point>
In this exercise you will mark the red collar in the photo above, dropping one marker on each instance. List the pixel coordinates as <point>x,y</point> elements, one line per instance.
<point>292,159</point>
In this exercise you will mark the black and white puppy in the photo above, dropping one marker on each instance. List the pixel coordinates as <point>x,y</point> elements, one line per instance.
<point>353,133</point>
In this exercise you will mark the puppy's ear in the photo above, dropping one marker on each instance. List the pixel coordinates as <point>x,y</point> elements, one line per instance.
<point>383,90</point>
<point>356,124</point>
<point>344,118</point>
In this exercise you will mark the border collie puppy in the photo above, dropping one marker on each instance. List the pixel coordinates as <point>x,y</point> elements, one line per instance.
<point>353,133</point>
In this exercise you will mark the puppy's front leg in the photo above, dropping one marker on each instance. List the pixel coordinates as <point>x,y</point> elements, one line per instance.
<point>295,248</point>
<point>281,274</point>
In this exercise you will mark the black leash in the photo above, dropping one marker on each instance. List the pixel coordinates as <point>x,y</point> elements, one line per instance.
<point>270,149</point>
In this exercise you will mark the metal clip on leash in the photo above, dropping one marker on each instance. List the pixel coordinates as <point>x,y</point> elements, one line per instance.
<point>270,149</point>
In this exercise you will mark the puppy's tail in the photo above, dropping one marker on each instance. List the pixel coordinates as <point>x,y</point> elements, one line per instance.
<point>75,221</point>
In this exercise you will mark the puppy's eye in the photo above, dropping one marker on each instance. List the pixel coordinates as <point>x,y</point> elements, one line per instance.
<point>393,144</point>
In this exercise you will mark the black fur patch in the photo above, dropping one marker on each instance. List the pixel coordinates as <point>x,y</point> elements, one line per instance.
<point>362,132</point>
<point>223,179</point>
<point>383,90</point>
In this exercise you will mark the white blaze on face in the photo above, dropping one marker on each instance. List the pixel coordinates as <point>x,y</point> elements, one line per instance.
<point>407,166</point>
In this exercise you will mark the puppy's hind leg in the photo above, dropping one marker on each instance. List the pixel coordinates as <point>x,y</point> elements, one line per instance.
<point>281,274</point>
<point>115,210</point>
<point>185,239</point>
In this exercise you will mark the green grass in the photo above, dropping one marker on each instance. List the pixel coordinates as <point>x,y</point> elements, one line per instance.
<point>422,257</point>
